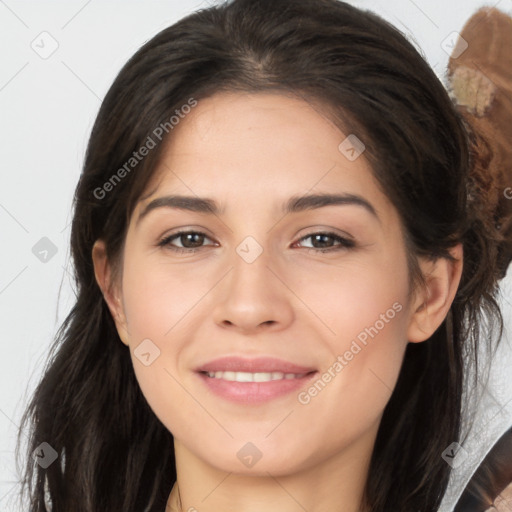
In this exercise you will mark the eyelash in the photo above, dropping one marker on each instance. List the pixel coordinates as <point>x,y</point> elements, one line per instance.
<point>345,243</point>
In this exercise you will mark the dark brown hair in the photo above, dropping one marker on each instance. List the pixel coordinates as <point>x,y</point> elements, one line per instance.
<point>114,452</point>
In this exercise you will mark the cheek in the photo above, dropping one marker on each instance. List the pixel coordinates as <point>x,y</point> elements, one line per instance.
<point>365,308</point>
<point>159,299</point>
<point>159,306</point>
<point>360,299</point>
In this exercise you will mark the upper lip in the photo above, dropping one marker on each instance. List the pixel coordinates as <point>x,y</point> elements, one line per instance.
<point>253,365</point>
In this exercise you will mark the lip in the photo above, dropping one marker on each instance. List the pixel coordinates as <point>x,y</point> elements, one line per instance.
<point>258,364</point>
<point>252,393</point>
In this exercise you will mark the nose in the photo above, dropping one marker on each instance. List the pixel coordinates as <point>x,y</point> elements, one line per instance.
<point>254,296</point>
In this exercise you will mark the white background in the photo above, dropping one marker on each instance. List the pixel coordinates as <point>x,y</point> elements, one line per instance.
<point>47,110</point>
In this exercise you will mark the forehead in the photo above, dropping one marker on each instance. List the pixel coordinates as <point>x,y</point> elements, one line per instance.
<point>260,146</point>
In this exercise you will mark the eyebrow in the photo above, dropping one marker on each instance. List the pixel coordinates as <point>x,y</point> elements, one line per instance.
<point>293,205</point>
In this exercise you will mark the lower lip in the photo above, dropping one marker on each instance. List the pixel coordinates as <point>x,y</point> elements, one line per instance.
<point>254,392</point>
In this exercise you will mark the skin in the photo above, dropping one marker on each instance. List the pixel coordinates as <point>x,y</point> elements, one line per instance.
<point>251,153</point>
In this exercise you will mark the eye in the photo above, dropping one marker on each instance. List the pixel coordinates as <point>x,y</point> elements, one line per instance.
<point>323,239</point>
<point>191,241</point>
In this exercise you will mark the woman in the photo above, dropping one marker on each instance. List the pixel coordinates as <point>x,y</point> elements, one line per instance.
<point>281,257</point>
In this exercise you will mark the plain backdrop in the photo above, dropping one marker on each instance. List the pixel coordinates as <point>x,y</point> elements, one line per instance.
<point>47,107</point>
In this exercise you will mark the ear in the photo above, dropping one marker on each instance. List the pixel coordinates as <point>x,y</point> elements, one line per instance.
<point>432,302</point>
<point>111,290</point>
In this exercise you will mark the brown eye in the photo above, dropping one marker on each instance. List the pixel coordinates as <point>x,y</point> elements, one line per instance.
<point>324,242</point>
<point>190,241</point>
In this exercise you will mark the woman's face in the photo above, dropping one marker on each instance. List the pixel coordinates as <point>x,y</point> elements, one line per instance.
<point>271,274</point>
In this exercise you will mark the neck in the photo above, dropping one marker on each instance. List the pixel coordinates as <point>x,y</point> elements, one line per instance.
<point>336,483</point>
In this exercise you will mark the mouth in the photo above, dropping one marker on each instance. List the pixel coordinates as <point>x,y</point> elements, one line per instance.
<point>253,381</point>
<point>254,377</point>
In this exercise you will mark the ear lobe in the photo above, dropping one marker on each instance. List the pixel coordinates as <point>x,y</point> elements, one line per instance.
<point>109,289</point>
<point>433,302</point>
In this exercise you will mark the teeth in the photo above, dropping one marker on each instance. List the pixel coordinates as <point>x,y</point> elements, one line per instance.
<point>254,377</point>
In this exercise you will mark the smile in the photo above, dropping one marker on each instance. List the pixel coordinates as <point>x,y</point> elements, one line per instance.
<point>254,388</point>
<point>254,377</point>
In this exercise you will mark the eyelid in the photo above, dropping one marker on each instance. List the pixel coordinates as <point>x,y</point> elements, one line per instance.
<point>318,230</point>
<point>345,240</point>
<point>166,239</point>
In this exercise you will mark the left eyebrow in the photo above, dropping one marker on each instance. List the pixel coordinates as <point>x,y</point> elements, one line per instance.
<point>314,201</point>
<point>293,205</point>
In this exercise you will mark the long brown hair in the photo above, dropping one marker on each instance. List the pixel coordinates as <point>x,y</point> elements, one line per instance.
<point>114,453</point>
